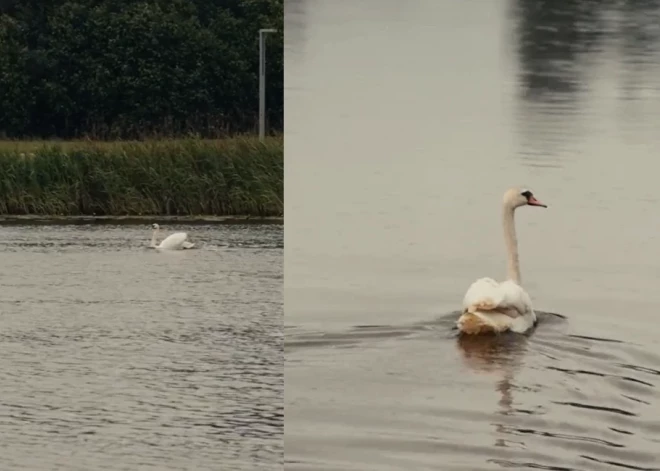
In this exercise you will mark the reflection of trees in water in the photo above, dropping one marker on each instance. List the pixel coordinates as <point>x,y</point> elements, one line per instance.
<point>640,37</point>
<point>550,36</point>
<point>557,42</point>
<point>556,39</point>
<point>640,30</point>
<point>552,40</point>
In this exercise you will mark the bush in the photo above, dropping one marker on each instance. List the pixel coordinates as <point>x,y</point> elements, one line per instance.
<point>239,176</point>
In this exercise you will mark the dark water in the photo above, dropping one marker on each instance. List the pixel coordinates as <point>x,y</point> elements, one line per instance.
<point>117,357</point>
<point>406,121</point>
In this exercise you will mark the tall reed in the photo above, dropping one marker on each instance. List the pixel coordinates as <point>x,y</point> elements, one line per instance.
<point>238,176</point>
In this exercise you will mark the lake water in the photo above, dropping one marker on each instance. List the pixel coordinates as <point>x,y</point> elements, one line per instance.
<point>114,356</point>
<point>406,121</point>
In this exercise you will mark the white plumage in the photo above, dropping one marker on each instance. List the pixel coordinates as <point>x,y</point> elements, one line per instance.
<point>497,306</point>
<point>492,307</point>
<point>176,241</point>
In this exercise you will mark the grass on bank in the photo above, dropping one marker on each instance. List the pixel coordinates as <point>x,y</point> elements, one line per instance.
<point>237,176</point>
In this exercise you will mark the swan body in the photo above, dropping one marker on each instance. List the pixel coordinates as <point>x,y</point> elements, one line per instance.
<point>493,307</point>
<point>176,241</point>
<point>489,306</point>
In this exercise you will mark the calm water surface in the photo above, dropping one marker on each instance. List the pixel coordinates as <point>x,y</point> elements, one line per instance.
<point>406,121</point>
<point>116,357</point>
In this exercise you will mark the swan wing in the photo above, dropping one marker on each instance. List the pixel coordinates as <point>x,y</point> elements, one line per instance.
<point>496,307</point>
<point>174,241</point>
<point>506,298</point>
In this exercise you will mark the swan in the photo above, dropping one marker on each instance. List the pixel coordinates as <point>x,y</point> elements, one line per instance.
<point>492,307</point>
<point>176,241</point>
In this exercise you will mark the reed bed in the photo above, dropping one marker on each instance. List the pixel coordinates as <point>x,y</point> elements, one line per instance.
<point>238,176</point>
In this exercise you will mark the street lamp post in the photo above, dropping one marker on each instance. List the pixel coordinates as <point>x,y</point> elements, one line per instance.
<point>262,80</point>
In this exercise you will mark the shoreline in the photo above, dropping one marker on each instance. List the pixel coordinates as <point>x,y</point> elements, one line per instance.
<point>38,220</point>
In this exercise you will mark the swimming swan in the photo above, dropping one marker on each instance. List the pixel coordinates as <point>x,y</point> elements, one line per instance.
<point>176,241</point>
<point>489,306</point>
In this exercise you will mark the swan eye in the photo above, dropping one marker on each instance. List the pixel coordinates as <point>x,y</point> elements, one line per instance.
<point>526,193</point>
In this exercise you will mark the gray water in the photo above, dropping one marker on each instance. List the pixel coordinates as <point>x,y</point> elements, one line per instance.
<point>117,357</point>
<point>406,121</point>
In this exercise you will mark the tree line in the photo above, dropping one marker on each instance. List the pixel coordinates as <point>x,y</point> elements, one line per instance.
<point>127,69</point>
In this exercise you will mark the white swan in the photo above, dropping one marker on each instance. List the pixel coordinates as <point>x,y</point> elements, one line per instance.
<point>489,306</point>
<point>176,241</point>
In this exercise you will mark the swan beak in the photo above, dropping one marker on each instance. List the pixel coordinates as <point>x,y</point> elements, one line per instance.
<point>534,202</point>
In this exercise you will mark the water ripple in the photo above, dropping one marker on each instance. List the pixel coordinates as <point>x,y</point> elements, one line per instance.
<point>113,357</point>
<point>550,400</point>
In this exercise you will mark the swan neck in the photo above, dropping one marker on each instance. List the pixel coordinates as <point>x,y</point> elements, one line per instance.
<point>511,241</point>
<point>153,238</point>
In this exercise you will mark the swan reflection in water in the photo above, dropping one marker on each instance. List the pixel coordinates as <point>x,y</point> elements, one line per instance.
<point>501,355</point>
<point>492,353</point>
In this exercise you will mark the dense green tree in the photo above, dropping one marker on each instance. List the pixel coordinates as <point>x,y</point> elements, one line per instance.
<point>135,68</point>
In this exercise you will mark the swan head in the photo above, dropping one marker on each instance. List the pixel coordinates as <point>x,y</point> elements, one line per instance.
<point>155,227</point>
<point>517,197</point>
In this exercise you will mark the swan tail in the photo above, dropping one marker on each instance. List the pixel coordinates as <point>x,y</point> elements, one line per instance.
<point>471,324</point>
<point>486,304</point>
<point>478,322</point>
